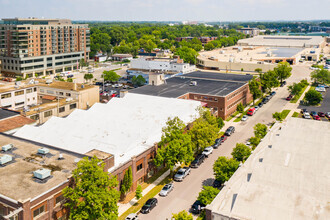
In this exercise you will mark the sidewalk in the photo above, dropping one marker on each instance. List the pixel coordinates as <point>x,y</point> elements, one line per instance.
<point>124,207</point>
<point>294,106</point>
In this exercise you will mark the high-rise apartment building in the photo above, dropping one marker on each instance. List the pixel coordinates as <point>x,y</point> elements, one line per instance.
<point>41,46</point>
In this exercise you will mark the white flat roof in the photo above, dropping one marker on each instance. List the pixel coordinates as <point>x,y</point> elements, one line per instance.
<point>282,41</point>
<point>289,180</point>
<point>124,127</point>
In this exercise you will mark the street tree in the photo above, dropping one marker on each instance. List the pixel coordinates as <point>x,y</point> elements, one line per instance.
<point>260,130</point>
<point>295,88</point>
<point>138,192</point>
<point>138,80</point>
<point>313,97</point>
<point>189,55</point>
<point>220,122</point>
<point>240,108</point>
<point>183,215</point>
<point>88,76</point>
<point>254,86</point>
<point>241,152</point>
<point>175,145</point>
<point>258,70</point>
<point>268,81</point>
<point>203,134</point>
<point>321,76</point>
<point>111,76</point>
<point>209,46</point>
<point>94,194</point>
<point>283,71</point>
<point>254,141</point>
<point>207,195</point>
<point>224,168</point>
<point>127,181</point>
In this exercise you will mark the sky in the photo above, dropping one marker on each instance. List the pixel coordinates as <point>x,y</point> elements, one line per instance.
<point>168,10</point>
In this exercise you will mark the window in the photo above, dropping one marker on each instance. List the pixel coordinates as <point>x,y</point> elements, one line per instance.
<point>7,95</point>
<point>50,91</point>
<point>41,90</point>
<point>60,93</point>
<point>68,94</point>
<point>35,89</point>
<point>19,103</point>
<point>59,199</point>
<point>139,167</point>
<point>72,106</point>
<point>48,113</point>
<point>7,106</point>
<point>62,109</point>
<point>2,210</point>
<point>35,117</point>
<point>28,90</point>
<point>38,211</point>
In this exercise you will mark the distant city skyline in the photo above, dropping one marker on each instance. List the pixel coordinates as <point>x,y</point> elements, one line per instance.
<point>168,10</point>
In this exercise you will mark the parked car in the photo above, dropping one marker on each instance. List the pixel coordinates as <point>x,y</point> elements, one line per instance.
<point>289,97</point>
<point>321,114</point>
<point>230,131</point>
<point>197,207</point>
<point>303,110</point>
<point>223,138</point>
<point>244,118</point>
<point>256,108</point>
<point>216,184</point>
<point>316,117</point>
<point>313,113</point>
<point>264,101</point>
<point>182,173</point>
<point>283,83</point>
<point>273,93</point>
<point>327,115</point>
<point>268,97</point>
<point>320,89</point>
<point>260,104</point>
<point>132,216</point>
<point>216,144</point>
<point>251,111</point>
<point>198,161</point>
<point>166,189</point>
<point>149,205</point>
<point>207,151</point>
<point>307,115</point>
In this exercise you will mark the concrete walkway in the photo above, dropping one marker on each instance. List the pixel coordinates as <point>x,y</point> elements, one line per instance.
<point>294,106</point>
<point>124,207</point>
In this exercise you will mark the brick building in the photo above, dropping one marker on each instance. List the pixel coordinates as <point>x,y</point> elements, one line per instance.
<point>42,46</point>
<point>219,91</point>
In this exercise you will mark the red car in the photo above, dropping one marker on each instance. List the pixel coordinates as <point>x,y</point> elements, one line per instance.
<point>321,114</point>
<point>223,138</point>
<point>250,111</point>
<point>289,97</point>
<point>316,117</point>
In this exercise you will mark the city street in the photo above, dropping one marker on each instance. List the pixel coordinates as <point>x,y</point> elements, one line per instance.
<point>185,193</point>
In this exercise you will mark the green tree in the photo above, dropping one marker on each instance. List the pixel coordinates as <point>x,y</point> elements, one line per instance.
<point>111,76</point>
<point>207,195</point>
<point>240,108</point>
<point>277,116</point>
<point>19,78</point>
<point>260,130</point>
<point>295,88</point>
<point>209,46</point>
<point>220,122</point>
<point>127,181</point>
<point>254,86</point>
<point>313,97</point>
<point>94,194</point>
<point>283,71</point>
<point>82,62</point>
<point>189,55</point>
<point>69,80</point>
<point>138,192</point>
<point>254,141</point>
<point>175,145</point>
<point>241,152</point>
<point>224,168</point>
<point>268,81</point>
<point>139,80</point>
<point>202,134</point>
<point>321,76</point>
<point>88,76</point>
<point>183,215</point>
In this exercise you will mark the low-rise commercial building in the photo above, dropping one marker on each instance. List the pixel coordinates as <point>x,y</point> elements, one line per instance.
<point>249,31</point>
<point>11,121</point>
<point>128,128</point>
<point>218,91</point>
<point>286,177</point>
<point>121,57</point>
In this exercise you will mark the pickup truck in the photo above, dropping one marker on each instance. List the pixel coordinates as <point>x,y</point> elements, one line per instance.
<point>182,173</point>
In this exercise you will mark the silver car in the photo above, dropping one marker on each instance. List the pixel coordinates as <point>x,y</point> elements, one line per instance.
<point>166,189</point>
<point>181,174</point>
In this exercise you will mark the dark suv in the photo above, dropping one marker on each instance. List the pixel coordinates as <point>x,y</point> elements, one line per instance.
<point>149,205</point>
<point>197,207</point>
<point>198,160</point>
<point>216,144</point>
<point>230,131</point>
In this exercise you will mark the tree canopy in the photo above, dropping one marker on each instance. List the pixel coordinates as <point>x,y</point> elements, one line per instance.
<point>283,71</point>
<point>313,97</point>
<point>321,76</point>
<point>224,168</point>
<point>94,194</point>
<point>268,81</point>
<point>183,215</point>
<point>260,130</point>
<point>138,80</point>
<point>127,181</point>
<point>254,86</point>
<point>241,152</point>
<point>207,195</point>
<point>111,76</point>
<point>188,55</point>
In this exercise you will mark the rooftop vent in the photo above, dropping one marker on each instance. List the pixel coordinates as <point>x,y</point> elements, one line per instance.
<point>5,159</point>
<point>42,173</point>
<point>43,150</point>
<point>270,146</point>
<point>7,147</point>
<point>49,81</point>
<point>193,83</point>
<point>60,157</point>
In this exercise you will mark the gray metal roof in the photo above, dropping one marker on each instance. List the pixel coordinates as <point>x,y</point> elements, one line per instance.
<point>5,113</point>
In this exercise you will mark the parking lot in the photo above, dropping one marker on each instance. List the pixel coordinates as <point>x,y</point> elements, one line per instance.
<point>324,107</point>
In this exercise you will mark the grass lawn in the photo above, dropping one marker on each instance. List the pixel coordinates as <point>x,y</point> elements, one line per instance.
<point>297,97</point>
<point>137,206</point>
<point>240,117</point>
<point>285,113</point>
<point>233,115</point>
<point>295,114</point>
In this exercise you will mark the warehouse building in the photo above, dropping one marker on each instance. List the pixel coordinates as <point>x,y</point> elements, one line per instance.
<point>286,177</point>
<point>218,91</point>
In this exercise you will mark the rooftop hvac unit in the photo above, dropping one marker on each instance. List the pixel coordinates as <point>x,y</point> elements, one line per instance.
<point>7,147</point>
<point>69,99</point>
<point>42,173</point>
<point>43,150</point>
<point>49,81</point>
<point>193,83</point>
<point>5,159</point>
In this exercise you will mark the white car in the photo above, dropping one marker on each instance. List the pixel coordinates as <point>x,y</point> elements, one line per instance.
<point>307,115</point>
<point>132,216</point>
<point>166,189</point>
<point>244,118</point>
<point>207,151</point>
<point>256,108</point>
<point>320,89</point>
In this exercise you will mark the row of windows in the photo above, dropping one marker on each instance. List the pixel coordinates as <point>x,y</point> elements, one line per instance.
<point>57,93</point>
<point>206,98</point>
<point>236,102</point>
<point>236,93</point>
<point>17,93</point>
<point>37,212</point>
